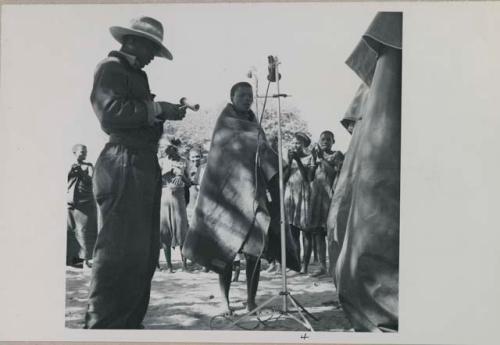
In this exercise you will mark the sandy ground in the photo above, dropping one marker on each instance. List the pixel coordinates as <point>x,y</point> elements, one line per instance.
<point>191,301</point>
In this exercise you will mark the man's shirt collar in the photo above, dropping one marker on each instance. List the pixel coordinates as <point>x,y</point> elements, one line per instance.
<point>131,59</point>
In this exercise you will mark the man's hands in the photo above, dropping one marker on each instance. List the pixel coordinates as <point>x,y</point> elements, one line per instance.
<point>169,111</point>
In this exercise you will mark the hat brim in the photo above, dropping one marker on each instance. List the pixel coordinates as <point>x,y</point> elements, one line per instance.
<point>119,33</point>
<point>304,137</point>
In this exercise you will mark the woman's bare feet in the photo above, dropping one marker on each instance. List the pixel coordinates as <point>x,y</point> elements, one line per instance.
<point>227,310</point>
<point>251,306</point>
<point>319,273</point>
<point>272,267</point>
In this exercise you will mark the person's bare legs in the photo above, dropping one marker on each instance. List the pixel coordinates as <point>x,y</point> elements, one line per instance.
<point>320,239</point>
<point>184,262</point>
<point>314,251</point>
<point>307,238</point>
<point>296,236</point>
<point>237,268</point>
<point>224,285</point>
<point>168,257</point>
<point>272,266</point>
<point>253,276</point>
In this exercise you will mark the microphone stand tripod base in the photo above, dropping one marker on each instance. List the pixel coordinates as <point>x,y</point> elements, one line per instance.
<point>286,313</point>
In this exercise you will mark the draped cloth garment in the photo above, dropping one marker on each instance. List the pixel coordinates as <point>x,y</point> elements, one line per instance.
<point>81,230</point>
<point>195,175</point>
<point>173,214</point>
<point>297,196</point>
<point>322,187</point>
<point>365,208</point>
<point>340,203</point>
<point>232,212</point>
<point>357,107</point>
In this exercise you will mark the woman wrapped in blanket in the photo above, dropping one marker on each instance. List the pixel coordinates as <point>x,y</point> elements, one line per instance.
<point>237,210</point>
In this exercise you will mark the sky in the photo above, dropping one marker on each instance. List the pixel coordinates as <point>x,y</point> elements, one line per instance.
<point>214,46</point>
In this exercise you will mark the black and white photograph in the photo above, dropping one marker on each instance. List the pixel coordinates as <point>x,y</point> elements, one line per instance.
<point>234,168</point>
<point>237,205</point>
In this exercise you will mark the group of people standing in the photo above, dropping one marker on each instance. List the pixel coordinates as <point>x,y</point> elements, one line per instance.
<point>141,200</point>
<point>181,177</point>
<point>310,180</point>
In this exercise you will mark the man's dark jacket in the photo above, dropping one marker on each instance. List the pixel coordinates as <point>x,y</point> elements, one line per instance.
<point>127,189</point>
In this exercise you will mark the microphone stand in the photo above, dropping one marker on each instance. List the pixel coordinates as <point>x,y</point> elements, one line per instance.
<point>253,74</point>
<point>284,294</point>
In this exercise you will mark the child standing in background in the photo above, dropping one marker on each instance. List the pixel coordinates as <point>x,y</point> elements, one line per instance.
<point>324,174</point>
<point>173,220</point>
<point>297,193</point>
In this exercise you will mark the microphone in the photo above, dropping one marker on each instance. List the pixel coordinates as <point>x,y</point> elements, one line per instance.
<point>186,104</point>
<point>271,76</point>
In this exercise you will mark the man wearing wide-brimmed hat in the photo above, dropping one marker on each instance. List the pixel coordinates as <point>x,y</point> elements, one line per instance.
<point>127,182</point>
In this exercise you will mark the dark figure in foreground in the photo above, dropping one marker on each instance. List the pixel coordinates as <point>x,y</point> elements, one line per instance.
<point>233,213</point>
<point>364,220</point>
<point>127,181</point>
<point>82,214</point>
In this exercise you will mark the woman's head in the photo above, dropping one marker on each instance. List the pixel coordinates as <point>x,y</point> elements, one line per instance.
<point>300,140</point>
<point>338,161</point>
<point>242,96</point>
<point>326,140</point>
<point>195,156</point>
<point>172,152</point>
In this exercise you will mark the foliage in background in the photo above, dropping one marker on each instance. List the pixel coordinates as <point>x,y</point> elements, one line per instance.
<point>197,127</point>
<point>194,130</point>
<point>291,122</point>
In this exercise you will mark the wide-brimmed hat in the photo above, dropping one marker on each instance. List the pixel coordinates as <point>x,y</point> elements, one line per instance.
<point>146,27</point>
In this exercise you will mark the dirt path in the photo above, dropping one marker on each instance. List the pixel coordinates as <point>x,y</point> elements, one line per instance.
<point>191,301</point>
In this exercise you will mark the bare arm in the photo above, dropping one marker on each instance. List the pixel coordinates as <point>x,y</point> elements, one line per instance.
<point>303,170</point>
